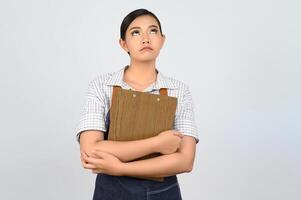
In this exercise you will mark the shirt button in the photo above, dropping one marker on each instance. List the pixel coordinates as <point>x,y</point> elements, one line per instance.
<point>158,99</point>
<point>134,95</point>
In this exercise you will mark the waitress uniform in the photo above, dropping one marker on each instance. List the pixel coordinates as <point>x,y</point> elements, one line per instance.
<point>108,187</point>
<point>93,117</point>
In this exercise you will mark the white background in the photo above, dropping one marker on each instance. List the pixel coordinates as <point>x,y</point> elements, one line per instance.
<point>240,58</point>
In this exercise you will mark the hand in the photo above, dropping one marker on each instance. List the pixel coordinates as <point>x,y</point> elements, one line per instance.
<point>102,162</point>
<point>169,141</point>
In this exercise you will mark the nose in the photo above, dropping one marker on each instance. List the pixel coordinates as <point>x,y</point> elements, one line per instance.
<point>145,39</point>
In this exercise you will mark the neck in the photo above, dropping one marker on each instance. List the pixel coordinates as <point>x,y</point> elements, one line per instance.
<point>141,72</point>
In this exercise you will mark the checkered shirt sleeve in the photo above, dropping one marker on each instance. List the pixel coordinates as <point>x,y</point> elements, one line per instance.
<point>93,114</point>
<point>185,119</point>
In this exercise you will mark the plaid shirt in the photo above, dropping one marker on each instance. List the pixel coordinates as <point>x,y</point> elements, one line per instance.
<point>99,95</point>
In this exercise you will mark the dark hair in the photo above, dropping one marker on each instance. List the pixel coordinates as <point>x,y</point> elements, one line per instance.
<point>132,16</point>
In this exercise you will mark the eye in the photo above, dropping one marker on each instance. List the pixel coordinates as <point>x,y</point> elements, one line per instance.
<point>135,32</point>
<point>154,31</point>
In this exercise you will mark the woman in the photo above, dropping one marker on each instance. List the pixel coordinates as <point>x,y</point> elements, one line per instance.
<point>142,38</point>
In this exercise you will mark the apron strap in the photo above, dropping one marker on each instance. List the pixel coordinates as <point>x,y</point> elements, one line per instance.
<point>163,91</point>
<point>115,88</point>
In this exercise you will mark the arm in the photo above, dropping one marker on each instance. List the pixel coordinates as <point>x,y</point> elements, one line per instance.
<point>162,166</point>
<point>166,142</point>
<point>165,165</point>
<point>123,150</point>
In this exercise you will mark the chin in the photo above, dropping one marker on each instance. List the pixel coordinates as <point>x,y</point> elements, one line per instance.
<point>146,57</point>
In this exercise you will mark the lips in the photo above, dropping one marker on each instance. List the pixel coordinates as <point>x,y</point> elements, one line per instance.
<point>146,48</point>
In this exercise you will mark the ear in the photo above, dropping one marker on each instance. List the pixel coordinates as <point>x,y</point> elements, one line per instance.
<point>163,40</point>
<point>123,45</point>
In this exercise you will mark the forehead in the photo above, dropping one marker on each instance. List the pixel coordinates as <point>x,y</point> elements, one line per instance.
<point>143,21</point>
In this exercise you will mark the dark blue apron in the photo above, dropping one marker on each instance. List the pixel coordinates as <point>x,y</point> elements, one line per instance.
<point>109,187</point>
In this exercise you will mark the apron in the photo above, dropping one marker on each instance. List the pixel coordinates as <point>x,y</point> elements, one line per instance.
<point>109,187</point>
<point>137,115</point>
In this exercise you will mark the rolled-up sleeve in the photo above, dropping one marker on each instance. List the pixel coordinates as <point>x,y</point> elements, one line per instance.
<point>185,119</point>
<point>92,116</point>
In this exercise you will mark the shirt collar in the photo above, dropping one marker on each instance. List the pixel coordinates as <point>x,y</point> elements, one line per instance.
<point>161,82</point>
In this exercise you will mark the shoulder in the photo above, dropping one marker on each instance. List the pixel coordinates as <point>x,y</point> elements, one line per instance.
<point>180,87</point>
<point>101,79</point>
<point>98,84</point>
<point>105,79</point>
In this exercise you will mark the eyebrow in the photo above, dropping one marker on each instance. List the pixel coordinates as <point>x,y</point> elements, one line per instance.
<point>137,27</point>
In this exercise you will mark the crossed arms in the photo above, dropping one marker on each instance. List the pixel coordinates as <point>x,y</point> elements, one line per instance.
<point>115,157</point>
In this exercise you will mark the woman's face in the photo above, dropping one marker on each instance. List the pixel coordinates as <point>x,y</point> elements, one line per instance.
<point>143,32</point>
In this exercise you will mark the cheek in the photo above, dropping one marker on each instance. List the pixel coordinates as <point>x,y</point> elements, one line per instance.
<point>133,43</point>
<point>157,45</point>
<point>130,46</point>
<point>157,41</point>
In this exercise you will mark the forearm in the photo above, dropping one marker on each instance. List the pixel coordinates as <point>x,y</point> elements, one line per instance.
<point>161,166</point>
<point>128,150</point>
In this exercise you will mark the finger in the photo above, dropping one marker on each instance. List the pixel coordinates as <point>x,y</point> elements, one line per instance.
<point>84,154</point>
<point>88,155</point>
<point>96,171</point>
<point>95,154</point>
<point>102,154</point>
<point>92,154</point>
<point>85,157</point>
<point>181,134</point>
<point>178,134</point>
<point>89,166</point>
<point>82,160</point>
<point>94,161</point>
